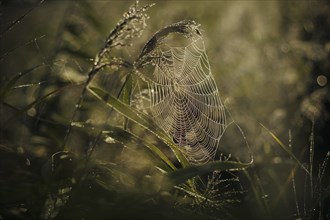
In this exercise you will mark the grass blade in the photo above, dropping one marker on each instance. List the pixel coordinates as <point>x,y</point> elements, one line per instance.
<point>19,19</point>
<point>184,174</point>
<point>140,119</point>
<point>257,194</point>
<point>39,100</point>
<point>311,157</point>
<point>4,91</point>
<point>123,136</point>
<point>125,94</point>
<point>285,148</point>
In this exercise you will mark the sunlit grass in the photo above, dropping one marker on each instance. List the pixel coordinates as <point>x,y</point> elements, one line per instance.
<point>73,147</point>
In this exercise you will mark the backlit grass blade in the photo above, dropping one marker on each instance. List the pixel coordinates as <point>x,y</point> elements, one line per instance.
<point>123,136</point>
<point>184,174</point>
<point>43,98</point>
<point>286,148</point>
<point>125,94</point>
<point>140,119</point>
<point>40,100</point>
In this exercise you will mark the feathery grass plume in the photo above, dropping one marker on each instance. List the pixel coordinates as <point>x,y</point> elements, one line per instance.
<point>121,162</point>
<point>185,27</point>
<point>130,26</point>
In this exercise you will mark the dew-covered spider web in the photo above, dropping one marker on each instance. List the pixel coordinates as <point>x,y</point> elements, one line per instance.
<point>183,99</point>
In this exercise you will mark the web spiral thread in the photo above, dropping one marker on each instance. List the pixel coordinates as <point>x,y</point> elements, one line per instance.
<point>184,99</point>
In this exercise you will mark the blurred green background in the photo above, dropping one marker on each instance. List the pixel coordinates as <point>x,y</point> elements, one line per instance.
<point>270,60</point>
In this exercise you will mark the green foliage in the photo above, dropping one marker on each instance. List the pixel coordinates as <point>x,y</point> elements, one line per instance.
<point>287,149</point>
<point>72,145</point>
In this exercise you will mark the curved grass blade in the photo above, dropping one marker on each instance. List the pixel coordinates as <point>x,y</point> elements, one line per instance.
<point>127,138</point>
<point>184,174</point>
<point>286,148</point>
<point>40,100</point>
<point>123,136</point>
<point>140,119</point>
<point>125,94</point>
<point>43,98</point>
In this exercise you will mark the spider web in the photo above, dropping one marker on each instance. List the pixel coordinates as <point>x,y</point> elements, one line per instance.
<point>184,99</point>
